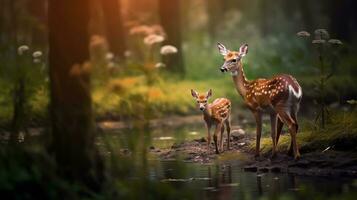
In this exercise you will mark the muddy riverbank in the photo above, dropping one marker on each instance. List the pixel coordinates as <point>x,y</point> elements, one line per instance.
<point>316,163</point>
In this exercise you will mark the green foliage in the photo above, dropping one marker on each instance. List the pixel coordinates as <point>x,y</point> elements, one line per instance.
<point>327,52</point>
<point>338,89</point>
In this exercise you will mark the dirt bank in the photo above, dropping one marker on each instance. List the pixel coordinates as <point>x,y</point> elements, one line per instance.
<point>327,163</point>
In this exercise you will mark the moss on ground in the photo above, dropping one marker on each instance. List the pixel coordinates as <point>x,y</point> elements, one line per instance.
<point>339,134</point>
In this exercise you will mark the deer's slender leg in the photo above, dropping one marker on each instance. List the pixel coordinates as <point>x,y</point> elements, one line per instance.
<point>295,145</point>
<point>295,128</point>
<point>291,147</point>
<point>228,126</point>
<point>258,120</point>
<point>273,123</point>
<point>218,128</point>
<point>221,140</point>
<point>208,136</point>
<point>287,119</point>
<point>279,128</point>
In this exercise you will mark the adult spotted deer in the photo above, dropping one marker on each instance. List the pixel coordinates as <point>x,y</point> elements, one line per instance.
<point>217,113</point>
<point>279,96</point>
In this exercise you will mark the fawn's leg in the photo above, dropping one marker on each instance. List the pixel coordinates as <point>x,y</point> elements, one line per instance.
<point>221,140</point>
<point>218,128</point>
<point>228,126</point>
<point>208,136</point>
<point>258,121</point>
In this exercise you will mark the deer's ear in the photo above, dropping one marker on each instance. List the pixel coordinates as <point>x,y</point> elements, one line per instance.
<point>243,50</point>
<point>209,93</point>
<point>222,49</point>
<point>194,93</point>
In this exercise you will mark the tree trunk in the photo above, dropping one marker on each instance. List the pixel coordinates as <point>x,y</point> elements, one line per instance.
<point>18,119</point>
<point>142,10</point>
<point>72,124</point>
<point>2,21</point>
<point>114,27</point>
<point>18,90</point>
<point>38,11</point>
<point>170,20</point>
<point>215,15</point>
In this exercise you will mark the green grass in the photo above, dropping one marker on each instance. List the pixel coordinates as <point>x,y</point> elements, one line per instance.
<point>339,134</point>
<point>127,96</point>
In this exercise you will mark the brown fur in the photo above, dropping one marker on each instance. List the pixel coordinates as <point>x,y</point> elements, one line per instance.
<point>280,96</point>
<point>215,114</point>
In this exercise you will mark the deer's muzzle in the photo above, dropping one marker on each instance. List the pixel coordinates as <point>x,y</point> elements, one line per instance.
<point>224,69</point>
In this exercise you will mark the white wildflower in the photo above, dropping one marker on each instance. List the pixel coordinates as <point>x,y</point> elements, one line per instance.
<point>321,34</point>
<point>153,39</point>
<point>127,53</point>
<point>37,54</point>
<point>168,49</point>
<point>157,29</point>
<point>109,56</point>
<point>36,60</point>
<point>352,102</point>
<point>21,50</point>
<point>318,41</point>
<point>160,65</point>
<point>303,34</point>
<point>335,41</point>
<point>140,30</point>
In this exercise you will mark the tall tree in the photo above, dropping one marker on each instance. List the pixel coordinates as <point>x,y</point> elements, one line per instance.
<point>13,30</point>
<point>37,9</point>
<point>71,114</point>
<point>2,20</point>
<point>114,26</point>
<point>170,20</point>
<point>215,12</point>
<point>141,10</point>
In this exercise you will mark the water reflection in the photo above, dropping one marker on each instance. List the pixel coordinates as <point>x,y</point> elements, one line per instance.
<point>222,180</point>
<point>227,181</point>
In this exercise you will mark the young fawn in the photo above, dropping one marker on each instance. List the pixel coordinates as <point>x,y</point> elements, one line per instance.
<point>217,113</point>
<point>280,96</point>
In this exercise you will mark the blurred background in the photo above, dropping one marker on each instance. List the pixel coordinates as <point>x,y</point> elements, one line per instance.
<point>137,61</point>
<point>124,49</point>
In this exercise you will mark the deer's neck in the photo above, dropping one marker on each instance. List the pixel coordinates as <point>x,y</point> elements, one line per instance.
<point>240,81</point>
<point>207,113</point>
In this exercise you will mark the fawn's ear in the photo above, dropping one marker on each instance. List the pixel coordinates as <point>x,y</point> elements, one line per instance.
<point>243,50</point>
<point>222,49</point>
<point>194,93</point>
<point>209,93</point>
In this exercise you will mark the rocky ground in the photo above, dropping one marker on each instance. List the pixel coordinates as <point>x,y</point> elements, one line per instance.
<point>197,150</point>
